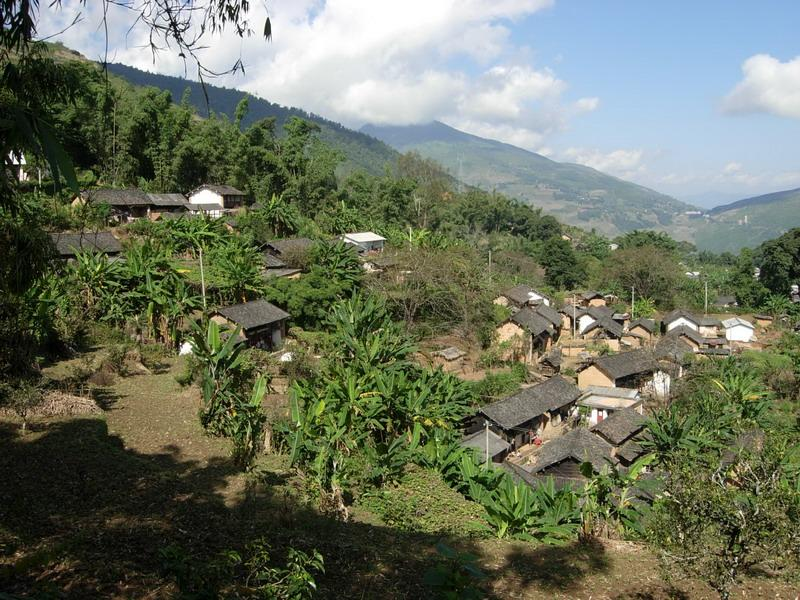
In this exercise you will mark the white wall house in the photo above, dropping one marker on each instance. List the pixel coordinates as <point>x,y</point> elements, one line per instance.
<point>738,330</point>
<point>678,318</point>
<point>365,241</point>
<point>224,196</point>
<point>584,321</point>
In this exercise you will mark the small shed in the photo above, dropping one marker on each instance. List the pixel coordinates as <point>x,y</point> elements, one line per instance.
<point>593,298</point>
<point>763,320</point>
<point>262,324</point>
<point>725,301</point>
<point>738,330</point>
<point>644,328</point>
<point>484,439</point>
<point>365,241</point>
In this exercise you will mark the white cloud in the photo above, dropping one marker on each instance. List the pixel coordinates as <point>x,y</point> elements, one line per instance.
<point>622,163</point>
<point>769,86</point>
<point>732,167</point>
<point>378,62</point>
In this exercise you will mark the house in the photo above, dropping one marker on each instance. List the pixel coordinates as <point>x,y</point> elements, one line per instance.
<point>529,331</point>
<point>487,445</point>
<point>562,457</point>
<point>593,298</point>
<point>679,317</point>
<point>365,241</point>
<point>292,251</point>
<point>67,245</point>
<point>673,354</point>
<point>725,301</point>
<point>709,326</point>
<point>550,363</point>
<point>162,204</point>
<point>17,165</point>
<point>275,267</point>
<point>644,328</point>
<point>606,330</point>
<point>738,330</point>
<point>636,369</point>
<point>601,402</point>
<point>698,342</point>
<point>262,324</point>
<point>763,321</point>
<point>520,296</point>
<point>520,418</point>
<point>622,430</point>
<point>132,203</point>
<point>224,197</point>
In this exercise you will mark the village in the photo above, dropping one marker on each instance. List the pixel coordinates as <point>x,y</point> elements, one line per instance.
<point>595,371</point>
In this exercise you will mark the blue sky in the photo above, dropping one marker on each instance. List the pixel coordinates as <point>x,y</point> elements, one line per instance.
<point>700,99</point>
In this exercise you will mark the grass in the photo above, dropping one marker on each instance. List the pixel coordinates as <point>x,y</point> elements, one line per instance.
<point>87,503</point>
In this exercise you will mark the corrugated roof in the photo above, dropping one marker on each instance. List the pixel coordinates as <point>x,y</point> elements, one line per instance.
<point>532,402</point>
<point>620,426</point>
<point>364,237</point>
<point>736,321</point>
<point>251,315</point>
<point>69,244</point>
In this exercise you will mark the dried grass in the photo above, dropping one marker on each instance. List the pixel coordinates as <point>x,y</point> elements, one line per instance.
<point>58,404</point>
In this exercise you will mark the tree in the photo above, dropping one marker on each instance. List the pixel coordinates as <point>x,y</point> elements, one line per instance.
<point>641,238</point>
<point>780,262</point>
<point>562,269</point>
<point>717,519</point>
<point>650,271</point>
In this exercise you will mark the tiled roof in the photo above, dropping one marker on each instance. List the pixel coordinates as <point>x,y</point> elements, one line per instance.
<point>532,402</point>
<point>648,325</point>
<point>69,244</point>
<point>531,321</point>
<point>579,444</point>
<point>477,440</point>
<point>251,315</point>
<point>222,190</point>
<point>126,197</point>
<point>620,426</point>
<point>625,364</point>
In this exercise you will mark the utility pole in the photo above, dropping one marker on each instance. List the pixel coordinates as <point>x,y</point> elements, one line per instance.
<point>705,311</point>
<point>486,427</point>
<point>574,321</point>
<point>633,300</point>
<point>202,279</point>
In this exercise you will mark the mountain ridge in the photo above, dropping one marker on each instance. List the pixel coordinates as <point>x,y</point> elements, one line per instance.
<point>576,194</point>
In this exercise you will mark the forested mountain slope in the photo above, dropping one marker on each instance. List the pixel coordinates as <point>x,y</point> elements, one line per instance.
<point>576,194</point>
<point>360,151</point>
<point>748,222</point>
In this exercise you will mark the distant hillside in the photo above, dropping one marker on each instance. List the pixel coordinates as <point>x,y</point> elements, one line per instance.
<point>748,222</point>
<point>576,194</point>
<point>361,151</point>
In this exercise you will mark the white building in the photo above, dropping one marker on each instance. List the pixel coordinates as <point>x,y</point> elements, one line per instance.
<point>225,197</point>
<point>365,241</point>
<point>600,402</point>
<point>738,330</point>
<point>678,318</point>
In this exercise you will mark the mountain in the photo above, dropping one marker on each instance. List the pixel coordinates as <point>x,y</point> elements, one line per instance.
<point>576,194</point>
<point>360,151</point>
<point>748,222</point>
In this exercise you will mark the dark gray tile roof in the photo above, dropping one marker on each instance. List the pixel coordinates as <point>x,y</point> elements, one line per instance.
<point>290,245</point>
<point>553,358</point>
<point>610,326</point>
<point>677,314</point>
<point>477,440</point>
<point>630,451</point>
<point>531,321</point>
<point>222,190</point>
<point>599,312</point>
<point>273,262</point>
<point>549,313</point>
<point>672,348</point>
<point>167,200</point>
<point>688,332</point>
<point>625,364</point>
<point>532,402</point>
<point>579,444</point>
<point>647,324</point>
<point>591,295</point>
<point>519,294</point>
<point>251,315</point>
<point>127,197</point>
<point>69,244</point>
<point>725,301</point>
<point>620,426</point>
<point>709,322</point>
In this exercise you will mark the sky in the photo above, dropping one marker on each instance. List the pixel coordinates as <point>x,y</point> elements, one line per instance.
<point>699,100</point>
